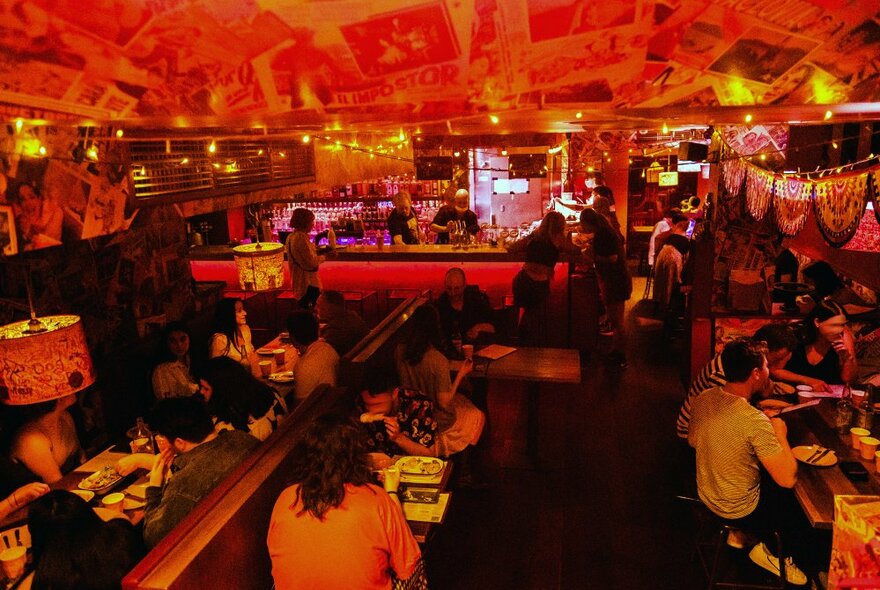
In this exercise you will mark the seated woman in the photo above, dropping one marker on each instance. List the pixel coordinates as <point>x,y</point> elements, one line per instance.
<point>238,401</point>
<point>74,549</point>
<point>173,376</point>
<point>46,443</point>
<point>333,528</point>
<point>421,366</point>
<point>826,352</point>
<point>232,336</point>
<point>398,420</point>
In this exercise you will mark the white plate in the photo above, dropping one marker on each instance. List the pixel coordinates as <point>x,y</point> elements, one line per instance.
<point>84,494</point>
<point>266,351</point>
<point>100,480</point>
<point>282,377</point>
<point>803,454</point>
<point>132,504</point>
<point>427,467</point>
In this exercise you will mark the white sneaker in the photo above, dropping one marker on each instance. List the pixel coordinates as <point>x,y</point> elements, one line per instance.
<point>762,557</point>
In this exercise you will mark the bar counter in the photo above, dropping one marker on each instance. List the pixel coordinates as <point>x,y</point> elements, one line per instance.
<point>421,268</point>
<point>421,253</point>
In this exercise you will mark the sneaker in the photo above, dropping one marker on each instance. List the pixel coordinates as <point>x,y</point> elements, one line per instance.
<point>762,557</point>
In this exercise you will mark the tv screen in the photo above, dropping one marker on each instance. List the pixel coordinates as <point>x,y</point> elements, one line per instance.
<point>434,168</point>
<point>527,165</point>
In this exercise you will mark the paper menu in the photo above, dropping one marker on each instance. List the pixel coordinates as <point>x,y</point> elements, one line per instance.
<point>427,512</point>
<point>494,351</point>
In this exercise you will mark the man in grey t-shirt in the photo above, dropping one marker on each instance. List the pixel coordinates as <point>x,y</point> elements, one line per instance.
<point>734,441</point>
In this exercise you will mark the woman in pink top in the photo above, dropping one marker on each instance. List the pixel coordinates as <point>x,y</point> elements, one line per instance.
<point>333,529</point>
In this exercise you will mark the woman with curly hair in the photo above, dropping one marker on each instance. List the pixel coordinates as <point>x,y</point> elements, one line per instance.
<point>333,528</point>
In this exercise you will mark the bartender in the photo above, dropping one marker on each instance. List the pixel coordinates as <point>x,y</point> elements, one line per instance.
<point>448,216</point>
<point>403,225</point>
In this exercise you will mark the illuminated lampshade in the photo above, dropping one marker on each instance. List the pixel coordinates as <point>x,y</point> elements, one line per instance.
<point>260,266</point>
<point>38,366</point>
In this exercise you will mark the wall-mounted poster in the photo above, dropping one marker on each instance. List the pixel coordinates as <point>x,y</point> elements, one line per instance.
<point>8,243</point>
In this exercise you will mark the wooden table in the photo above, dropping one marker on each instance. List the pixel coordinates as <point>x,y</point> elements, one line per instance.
<point>534,366</point>
<point>291,355</point>
<point>421,529</point>
<point>817,486</point>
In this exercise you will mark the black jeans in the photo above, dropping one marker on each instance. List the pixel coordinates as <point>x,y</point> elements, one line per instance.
<point>778,510</point>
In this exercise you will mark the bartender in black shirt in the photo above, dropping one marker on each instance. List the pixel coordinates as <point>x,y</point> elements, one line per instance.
<point>448,215</point>
<point>403,225</point>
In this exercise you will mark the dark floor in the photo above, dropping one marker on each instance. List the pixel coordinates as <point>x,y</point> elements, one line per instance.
<point>600,512</point>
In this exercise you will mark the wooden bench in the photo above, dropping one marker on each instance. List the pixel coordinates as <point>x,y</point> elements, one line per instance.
<point>222,543</point>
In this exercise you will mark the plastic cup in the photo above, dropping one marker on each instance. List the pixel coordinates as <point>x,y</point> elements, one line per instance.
<point>868,446</point>
<point>856,434</point>
<point>265,368</point>
<point>113,501</point>
<point>468,351</point>
<point>279,356</point>
<point>392,478</point>
<point>13,561</point>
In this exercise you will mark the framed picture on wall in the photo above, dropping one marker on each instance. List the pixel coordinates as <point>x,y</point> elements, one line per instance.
<point>8,243</point>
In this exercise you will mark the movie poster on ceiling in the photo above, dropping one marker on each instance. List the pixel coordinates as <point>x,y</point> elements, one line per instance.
<point>575,51</point>
<point>746,140</point>
<point>806,83</point>
<point>661,84</point>
<point>854,57</point>
<point>355,54</point>
<point>490,71</point>
<point>179,55</point>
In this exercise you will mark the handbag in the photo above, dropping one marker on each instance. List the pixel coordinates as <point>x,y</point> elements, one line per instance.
<point>417,581</point>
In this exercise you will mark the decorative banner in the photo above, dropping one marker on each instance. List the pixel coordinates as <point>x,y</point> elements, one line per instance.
<point>875,194</point>
<point>759,191</point>
<point>791,204</point>
<point>839,206</point>
<point>734,173</point>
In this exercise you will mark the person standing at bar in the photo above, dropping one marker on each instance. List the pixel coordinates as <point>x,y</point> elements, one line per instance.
<point>403,225</point>
<point>607,252</point>
<point>457,215</point>
<point>303,259</point>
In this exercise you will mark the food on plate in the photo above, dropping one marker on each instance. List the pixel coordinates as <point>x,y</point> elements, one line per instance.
<point>368,417</point>
<point>100,479</point>
<point>421,466</point>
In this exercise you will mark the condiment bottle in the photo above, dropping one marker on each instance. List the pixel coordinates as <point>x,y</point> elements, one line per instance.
<point>844,415</point>
<point>865,411</point>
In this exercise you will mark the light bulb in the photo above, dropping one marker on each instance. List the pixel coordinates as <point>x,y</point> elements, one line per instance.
<point>212,147</point>
<point>307,138</point>
<point>494,119</point>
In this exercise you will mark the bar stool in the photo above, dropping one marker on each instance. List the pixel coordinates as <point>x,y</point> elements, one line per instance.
<point>358,299</point>
<point>711,535</point>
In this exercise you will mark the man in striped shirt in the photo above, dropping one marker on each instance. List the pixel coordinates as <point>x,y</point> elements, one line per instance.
<point>781,341</point>
<point>735,445</point>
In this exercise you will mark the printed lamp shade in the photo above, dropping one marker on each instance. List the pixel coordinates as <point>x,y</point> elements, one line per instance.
<point>41,366</point>
<point>260,266</point>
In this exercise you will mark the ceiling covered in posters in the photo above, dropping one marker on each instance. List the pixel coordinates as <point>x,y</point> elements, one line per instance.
<point>461,66</point>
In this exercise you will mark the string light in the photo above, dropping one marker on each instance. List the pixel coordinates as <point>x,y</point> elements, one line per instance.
<point>42,150</point>
<point>578,115</point>
<point>307,138</point>
<point>665,129</point>
<point>18,125</point>
<point>494,119</point>
<point>828,115</point>
<point>92,153</point>
<point>212,147</point>
<point>834,144</point>
<point>120,133</point>
<point>503,151</point>
<point>748,118</point>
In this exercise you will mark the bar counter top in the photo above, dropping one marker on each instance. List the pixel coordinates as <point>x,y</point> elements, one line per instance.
<point>423,253</point>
